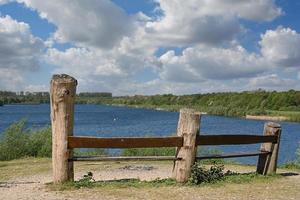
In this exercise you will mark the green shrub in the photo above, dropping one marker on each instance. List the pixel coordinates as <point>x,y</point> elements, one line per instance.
<point>200,174</point>
<point>86,181</point>
<point>14,142</point>
<point>257,112</point>
<point>166,151</point>
<point>40,143</point>
<point>17,142</point>
<point>90,152</point>
<point>291,165</point>
<point>210,151</point>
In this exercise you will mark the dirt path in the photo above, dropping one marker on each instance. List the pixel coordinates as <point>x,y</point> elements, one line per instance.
<point>34,187</point>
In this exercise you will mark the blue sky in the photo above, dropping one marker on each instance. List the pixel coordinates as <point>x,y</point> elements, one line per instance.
<point>151,47</point>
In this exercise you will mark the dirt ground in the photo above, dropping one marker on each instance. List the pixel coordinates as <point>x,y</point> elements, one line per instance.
<point>26,179</point>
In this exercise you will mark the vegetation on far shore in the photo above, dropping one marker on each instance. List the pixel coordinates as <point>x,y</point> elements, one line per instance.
<point>235,104</point>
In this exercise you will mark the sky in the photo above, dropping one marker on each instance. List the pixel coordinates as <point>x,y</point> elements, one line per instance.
<point>148,47</point>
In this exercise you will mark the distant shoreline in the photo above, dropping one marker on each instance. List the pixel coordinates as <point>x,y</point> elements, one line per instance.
<point>267,117</point>
<point>252,117</point>
<point>25,103</point>
<point>176,108</point>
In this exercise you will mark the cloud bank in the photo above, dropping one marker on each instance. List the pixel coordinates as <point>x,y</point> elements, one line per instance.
<point>198,40</point>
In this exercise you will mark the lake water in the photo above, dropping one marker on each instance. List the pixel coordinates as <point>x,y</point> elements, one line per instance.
<point>106,121</point>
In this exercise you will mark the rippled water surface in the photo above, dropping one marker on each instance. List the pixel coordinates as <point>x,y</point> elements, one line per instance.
<point>105,121</point>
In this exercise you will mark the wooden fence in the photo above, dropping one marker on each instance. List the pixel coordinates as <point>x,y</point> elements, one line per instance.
<point>63,90</point>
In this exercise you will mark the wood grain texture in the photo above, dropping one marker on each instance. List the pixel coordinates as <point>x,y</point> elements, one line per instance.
<point>267,164</point>
<point>188,128</point>
<point>123,142</point>
<point>62,96</point>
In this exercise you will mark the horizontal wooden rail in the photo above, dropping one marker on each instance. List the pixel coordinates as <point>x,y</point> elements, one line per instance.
<point>233,155</point>
<point>124,158</point>
<point>234,139</point>
<point>133,142</point>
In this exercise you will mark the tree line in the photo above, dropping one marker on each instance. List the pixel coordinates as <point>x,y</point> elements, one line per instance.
<point>223,103</point>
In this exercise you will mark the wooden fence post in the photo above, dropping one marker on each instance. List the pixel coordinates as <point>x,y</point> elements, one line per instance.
<point>62,96</point>
<point>267,163</point>
<point>188,128</point>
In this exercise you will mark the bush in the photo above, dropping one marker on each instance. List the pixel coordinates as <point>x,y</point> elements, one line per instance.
<point>14,142</point>
<point>291,165</point>
<point>90,152</point>
<point>17,142</point>
<point>199,174</point>
<point>207,151</point>
<point>149,152</point>
<point>40,143</point>
<point>86,181</point>
<point>257,112</point>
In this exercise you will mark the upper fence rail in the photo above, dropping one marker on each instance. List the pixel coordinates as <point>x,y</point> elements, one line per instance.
<point>123,142</point>
<point>174,141</point>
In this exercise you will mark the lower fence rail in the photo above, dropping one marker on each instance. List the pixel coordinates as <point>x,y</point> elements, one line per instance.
<point>233,155</point>
<point>124,158</point>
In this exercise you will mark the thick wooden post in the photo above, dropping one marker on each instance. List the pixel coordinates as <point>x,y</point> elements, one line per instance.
<point>267,164</point>
<point>188,128</point>
<point>62,96</point>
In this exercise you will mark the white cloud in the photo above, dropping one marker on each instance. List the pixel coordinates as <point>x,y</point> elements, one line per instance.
<point>10,79</point>
<point>20,51</point>
<point>185,23</point>
<point>82,62</point>
<point>257,10</point>
<point>93,23</point>
<point>110,47</point>
<point>281,47</point>
<point>19,48</point>
<point>4,1</point>
<point>201,62</point>
<point>272,81</point>
<point>208,22</point>
<point>96,68</point>
<point>36,88</point>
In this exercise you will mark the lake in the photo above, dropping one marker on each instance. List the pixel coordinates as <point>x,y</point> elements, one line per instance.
<point>106,121</point>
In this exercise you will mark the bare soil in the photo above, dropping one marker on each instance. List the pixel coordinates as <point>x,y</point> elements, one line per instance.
<point>26,179</point>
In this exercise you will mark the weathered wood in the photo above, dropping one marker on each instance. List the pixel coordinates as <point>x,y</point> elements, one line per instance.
<point>62,95</point>
<point>134,142</point>
<point>267,164</point>
<point>188,128</point>
<point>232,155</point>
<point>235,139</point>
<point>124,158</point>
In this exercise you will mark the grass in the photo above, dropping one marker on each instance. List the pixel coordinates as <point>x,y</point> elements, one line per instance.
<point>239,186</point>
<point>248,178</point>
<point>292,115</point>
<point>24,167</point>
<point>122,183</point>
<point>293,165</point>
<point>157,183</point>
